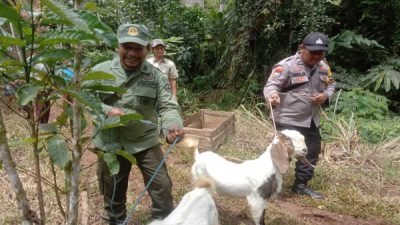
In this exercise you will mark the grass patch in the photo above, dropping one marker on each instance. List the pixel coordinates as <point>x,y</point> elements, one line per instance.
<point>364,183</point>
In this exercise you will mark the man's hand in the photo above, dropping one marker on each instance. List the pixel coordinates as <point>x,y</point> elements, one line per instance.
<point>115,112</point>
<point>274,99</point>
<point>319,98</point>
<point>174,133</point>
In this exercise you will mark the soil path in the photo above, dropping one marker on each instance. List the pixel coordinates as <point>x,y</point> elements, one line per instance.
<point>235,215</point>
<point>315,216</point>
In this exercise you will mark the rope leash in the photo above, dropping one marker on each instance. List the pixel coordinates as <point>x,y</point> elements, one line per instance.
<point>133,207</point>
<point>306,95</point>
<point>272,116</point>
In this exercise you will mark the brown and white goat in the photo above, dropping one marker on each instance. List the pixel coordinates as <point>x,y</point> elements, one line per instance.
<point>257,180</point>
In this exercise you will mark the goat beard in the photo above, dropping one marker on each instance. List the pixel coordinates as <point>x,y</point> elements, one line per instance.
<point>305,161</point>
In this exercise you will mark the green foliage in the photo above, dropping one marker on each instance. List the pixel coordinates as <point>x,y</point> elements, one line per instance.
<point>229,100</point>
<point>359,113</point>
<point>68,37</point>
<point>10,41</point>
<point>9,13</point>
<point>310,16</point>
<point>347,79</point>
<point>67,14</point>
<point>93,104</point>
<point>372,19</point>
<point>98,75</point>
<point>54,56</point>
<point>355,52</point>
<point>104,123</point>
<point>22,141</point>
<point>363,103</point>
<point>27,93</point>
<point>385,76</point>
<point>342,129</point>
<point>188,100</point>
<point>347,39</point>
<point>167,19</point>
<point>246,29</point>
<point>202,83</point>
<point>377,131</point>
<point>112,162</point>
<point>58,151</point>
<point>92,87</point>
<point>127,156</point>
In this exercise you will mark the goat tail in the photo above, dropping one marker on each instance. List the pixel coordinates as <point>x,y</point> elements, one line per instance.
<point>205,182</point>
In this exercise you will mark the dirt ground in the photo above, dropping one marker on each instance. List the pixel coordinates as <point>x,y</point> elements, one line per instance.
<point>283,211</point>
<point>236,213</point>
<point>315,216</point>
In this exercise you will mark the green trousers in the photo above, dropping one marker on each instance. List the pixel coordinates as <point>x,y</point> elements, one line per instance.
<point>114,188</point>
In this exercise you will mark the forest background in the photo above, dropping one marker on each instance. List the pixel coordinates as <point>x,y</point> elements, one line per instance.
<point>224,52</point>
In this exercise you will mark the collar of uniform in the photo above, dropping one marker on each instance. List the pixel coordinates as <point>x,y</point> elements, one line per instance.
<point>162,60</point>
<point>298,58</point>
<point>146,68</point>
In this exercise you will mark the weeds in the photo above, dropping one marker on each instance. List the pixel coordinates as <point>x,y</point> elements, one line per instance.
<point>363,183</point>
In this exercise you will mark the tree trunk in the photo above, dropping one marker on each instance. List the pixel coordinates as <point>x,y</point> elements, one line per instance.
<point>73,195</point>
<point>39,188</point>
<point>28,216</point>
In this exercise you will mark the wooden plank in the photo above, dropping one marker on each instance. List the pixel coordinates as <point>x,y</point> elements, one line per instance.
<point>212,128</point>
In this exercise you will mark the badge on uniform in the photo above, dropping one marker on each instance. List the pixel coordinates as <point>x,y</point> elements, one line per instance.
<point>276,72</point>
<point>298,79</point>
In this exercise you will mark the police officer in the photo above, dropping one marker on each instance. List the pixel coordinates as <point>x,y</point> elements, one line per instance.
<point>146,87</point>
<point>296,88</point>
<point>167,66</point>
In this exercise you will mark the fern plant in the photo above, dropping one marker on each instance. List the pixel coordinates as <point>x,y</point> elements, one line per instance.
<point>363,103</point>
<point>385,76</point>
<point>348,39</point>
<point>376,131</point>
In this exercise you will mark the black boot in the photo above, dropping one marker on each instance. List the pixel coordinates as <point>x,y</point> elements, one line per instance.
<point>114,221</point>
<point>302,189</point>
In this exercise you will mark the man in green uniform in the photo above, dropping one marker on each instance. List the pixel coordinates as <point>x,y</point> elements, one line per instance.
<point>146,87</point>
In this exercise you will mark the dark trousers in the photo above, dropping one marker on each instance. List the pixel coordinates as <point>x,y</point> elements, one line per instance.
<point>313,143</point>
<point>114,188</point>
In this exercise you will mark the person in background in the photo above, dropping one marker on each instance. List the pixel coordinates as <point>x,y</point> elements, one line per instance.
<point>146,86</point>
<point>297,87</point>
<point>166,66</point>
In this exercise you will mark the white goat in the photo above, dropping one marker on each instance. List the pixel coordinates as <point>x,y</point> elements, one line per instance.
<point>258,179</point>
<point>197,207</point>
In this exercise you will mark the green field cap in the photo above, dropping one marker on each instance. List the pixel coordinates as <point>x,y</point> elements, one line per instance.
<point>135,33</point>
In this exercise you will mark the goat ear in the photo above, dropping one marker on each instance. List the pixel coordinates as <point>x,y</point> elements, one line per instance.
<point>280,157</point>
<point>287,142</point>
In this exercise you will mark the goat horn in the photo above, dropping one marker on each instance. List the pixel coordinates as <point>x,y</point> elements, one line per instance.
<point>306,162</point>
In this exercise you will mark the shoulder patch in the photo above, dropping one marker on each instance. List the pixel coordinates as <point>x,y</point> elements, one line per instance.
<point>277,71</point>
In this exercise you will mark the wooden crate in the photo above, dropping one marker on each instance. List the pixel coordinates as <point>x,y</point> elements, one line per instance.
<point>211,127</point>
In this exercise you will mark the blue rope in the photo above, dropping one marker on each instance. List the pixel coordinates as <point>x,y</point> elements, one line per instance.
<point>113,195</point>
<point>132,209</point>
